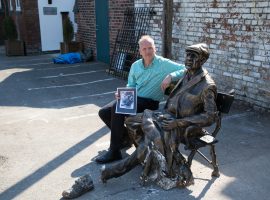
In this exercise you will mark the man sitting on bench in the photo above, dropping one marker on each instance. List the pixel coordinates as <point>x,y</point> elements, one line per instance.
<point>191,105</point>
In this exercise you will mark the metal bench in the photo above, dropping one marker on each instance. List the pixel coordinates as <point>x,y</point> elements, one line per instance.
<point>223,102</point>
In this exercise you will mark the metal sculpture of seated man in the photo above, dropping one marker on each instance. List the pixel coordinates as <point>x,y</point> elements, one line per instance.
<point>191,105</point>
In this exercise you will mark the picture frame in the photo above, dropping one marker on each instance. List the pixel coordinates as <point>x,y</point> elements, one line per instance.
<point>127,103</point>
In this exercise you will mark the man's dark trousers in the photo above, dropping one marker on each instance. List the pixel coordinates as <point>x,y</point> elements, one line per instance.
<point>115,121</point>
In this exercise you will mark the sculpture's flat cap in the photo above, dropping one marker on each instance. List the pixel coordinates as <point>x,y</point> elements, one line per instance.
<point>200,48</point>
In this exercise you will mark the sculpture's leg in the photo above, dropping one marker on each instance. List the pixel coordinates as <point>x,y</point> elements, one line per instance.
<point>184,170</point>
<point>190,157</point>
<point>147,166</point>
<point>179,158</point>
<point>186,174</point>
<point>133,125</point>
<point>119,168</point>
<point>152,133</point>
<point>214,161</point>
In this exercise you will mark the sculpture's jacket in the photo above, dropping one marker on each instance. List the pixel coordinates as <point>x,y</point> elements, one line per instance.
<point>195,99</point>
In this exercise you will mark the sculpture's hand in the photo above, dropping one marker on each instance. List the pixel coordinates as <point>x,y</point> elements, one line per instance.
<point>169,124</point>
<point>182,123</point>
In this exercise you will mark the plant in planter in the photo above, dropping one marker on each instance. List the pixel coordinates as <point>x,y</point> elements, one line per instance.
<point>68,34</point>
<point>13,46</point>
<point>68,30</point>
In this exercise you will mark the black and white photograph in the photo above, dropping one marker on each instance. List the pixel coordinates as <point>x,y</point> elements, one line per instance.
<point>127,104</point>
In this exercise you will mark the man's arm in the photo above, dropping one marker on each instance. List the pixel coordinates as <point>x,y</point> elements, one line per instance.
<point>174,72</point>
<point>131,77</point>
<point>166,82</point>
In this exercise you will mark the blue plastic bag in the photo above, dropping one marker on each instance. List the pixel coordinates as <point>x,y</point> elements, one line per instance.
<point>68,58</point>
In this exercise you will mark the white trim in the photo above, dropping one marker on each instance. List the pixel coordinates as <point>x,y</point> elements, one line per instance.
<point>18,5</point>
<point>10,5</point>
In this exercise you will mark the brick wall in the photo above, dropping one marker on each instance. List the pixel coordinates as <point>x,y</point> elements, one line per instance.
<point>86,21</point>
<point>238,33</point>
<point>29,26</point>
<point>27,22</point>
<point>156,22</point>
<point>116,14</point>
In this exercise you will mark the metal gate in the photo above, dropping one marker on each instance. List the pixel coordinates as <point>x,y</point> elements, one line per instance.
<point>126,49</point>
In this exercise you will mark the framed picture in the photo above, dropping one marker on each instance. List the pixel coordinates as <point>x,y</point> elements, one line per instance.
<point>127,104</point>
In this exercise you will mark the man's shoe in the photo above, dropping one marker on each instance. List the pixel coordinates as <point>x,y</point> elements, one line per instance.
<point>108,157</point>
<point>81,186</point>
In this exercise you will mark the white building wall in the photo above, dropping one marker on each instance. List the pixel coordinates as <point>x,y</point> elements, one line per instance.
<point>51,25</point>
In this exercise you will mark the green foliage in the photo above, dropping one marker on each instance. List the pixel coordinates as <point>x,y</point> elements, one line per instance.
<point>9,29</point>
<point>68,30</point>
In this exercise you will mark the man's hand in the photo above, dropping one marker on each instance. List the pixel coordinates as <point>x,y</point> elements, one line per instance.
<point>117,96</point>
<point>166,82</point>
<point>169,124</point>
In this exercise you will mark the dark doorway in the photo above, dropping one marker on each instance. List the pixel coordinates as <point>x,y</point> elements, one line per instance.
<point>64,17</point>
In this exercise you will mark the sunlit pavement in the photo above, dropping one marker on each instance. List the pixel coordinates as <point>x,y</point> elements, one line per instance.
<point>50,133</point>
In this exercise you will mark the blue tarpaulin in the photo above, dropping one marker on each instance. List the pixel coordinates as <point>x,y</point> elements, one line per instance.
<point>68,58</point>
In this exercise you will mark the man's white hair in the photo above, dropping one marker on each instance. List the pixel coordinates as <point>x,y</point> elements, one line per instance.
<point>147,38</point>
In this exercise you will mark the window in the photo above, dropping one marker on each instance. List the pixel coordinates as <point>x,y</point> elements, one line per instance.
<point>10,5</point>
<point>0,4</point>
<point>49,1</point>
<point>18,5</point>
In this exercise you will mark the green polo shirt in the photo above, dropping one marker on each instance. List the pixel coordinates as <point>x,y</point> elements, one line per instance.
<point>148,79</point>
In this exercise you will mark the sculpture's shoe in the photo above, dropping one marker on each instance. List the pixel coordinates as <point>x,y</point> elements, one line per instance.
<point>186,174</point>
<point>82,185</point>
<point>105,174</point>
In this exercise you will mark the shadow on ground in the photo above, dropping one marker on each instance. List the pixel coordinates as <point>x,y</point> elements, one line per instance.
<point>37,175</point>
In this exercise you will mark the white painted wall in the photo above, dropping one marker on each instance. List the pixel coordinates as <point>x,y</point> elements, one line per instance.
<point>51,25</point>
